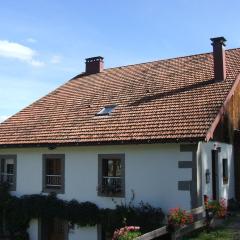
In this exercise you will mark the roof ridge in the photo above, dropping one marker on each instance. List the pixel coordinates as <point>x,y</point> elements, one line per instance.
<point>167,59</point>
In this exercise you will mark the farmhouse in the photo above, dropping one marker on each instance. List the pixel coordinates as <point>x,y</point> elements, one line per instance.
<point>167,131</point>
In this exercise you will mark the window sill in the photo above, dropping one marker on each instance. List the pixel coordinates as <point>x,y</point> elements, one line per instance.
<point>53,190</point>
<point>111,194</point>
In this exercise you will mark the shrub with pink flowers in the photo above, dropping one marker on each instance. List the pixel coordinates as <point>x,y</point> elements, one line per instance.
<point>126,233</point>
<point>178,217</point>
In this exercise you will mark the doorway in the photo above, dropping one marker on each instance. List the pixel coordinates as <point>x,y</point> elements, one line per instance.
<point>215,175</point>
<point>54,229</point>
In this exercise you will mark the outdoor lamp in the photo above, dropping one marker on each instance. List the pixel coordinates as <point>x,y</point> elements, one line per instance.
<point>207,174</point>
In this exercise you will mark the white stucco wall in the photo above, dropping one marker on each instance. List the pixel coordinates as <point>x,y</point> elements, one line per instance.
<point>225,191</point>
<point>83,233</point>
<point>151,171</point>
<point>33,229</point>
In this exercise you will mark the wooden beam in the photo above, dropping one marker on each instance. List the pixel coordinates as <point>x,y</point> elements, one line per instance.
<point>151,235</point>
<point>197,210</point>
<point>189,228</point>
<point>179,233</point>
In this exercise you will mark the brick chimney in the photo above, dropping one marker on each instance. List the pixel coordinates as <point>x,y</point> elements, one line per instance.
<point>219,60</point>
<point>94,65</point>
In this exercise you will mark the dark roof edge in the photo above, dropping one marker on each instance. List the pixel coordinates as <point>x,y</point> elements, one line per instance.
<point>116,142</point>
<point>214,124</point>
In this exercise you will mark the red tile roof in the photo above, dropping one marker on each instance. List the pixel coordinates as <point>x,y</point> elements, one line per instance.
<point>166,101</point>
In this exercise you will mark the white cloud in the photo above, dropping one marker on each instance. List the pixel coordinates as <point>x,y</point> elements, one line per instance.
<point>18,51</point>
<point>31,40</point>
<point>56,59</point>
<point>15,50</point>
<point>3,117</point>
<point>36,63</point>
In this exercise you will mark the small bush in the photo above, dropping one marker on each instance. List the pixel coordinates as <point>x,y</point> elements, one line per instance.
<point>179,217</point>
<point>218,208</point>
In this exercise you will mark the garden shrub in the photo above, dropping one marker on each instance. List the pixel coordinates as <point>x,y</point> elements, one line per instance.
<point>17,212</point>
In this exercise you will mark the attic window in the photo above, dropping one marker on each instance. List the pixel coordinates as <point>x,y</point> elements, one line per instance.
<point>107,110</point>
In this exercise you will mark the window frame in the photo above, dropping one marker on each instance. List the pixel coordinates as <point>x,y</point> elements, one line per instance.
<point>106,110</point>
<point>101,158</point>
<point>14,157</point>
<point>46,189</point>
<point>225,170</point>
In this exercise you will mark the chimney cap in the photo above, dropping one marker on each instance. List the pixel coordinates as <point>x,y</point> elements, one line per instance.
<point>94,59</point>
<point>218,40</point>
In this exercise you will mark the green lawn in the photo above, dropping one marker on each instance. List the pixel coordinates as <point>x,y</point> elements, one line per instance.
<point>216,234</point>
<point>225,231</point>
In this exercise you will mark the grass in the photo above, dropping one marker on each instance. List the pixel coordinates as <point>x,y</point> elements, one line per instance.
<point>223,232</point>
<point>216,234</point>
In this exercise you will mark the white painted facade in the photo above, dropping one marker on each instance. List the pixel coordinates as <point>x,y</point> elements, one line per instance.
<point>151,172</point>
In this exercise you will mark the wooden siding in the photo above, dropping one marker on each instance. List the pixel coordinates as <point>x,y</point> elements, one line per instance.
<point>228,131</point>
<point>230,120</point>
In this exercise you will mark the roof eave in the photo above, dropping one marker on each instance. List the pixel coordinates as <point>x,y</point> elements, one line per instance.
<point>101,143</point>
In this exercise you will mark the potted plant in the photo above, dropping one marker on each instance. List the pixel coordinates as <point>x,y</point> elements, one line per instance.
<point>216,208</point>
<point>178,218</point>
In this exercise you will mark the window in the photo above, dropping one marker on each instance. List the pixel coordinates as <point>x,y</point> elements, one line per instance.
<point>111,179</point>
<point>8,170</point>
<point>53,173</point>
<point>107,110</point>
<point>225,170</point>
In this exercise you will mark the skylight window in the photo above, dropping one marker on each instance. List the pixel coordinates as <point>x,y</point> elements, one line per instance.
<point>107,110</point>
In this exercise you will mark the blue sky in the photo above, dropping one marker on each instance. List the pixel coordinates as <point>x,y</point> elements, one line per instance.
<point>43,43</point>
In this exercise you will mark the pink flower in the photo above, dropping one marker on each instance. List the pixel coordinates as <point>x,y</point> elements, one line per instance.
<point>124,231</point>
<point>133,228</point>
